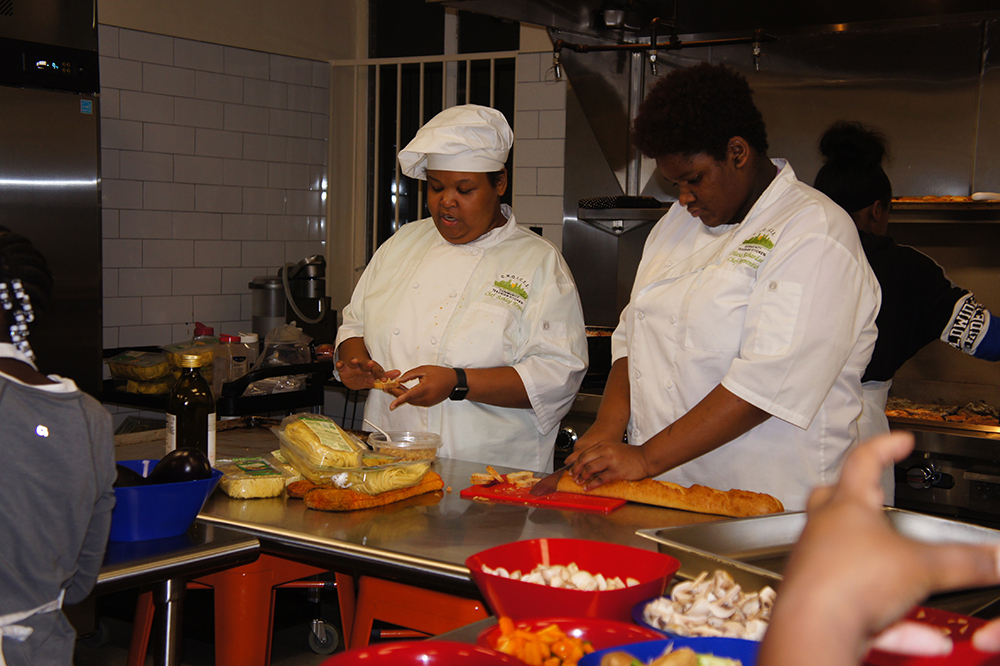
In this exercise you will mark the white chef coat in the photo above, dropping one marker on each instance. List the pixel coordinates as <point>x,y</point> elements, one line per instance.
<point>505,299</point>
<point>872,423</point>
<point>780,309</point>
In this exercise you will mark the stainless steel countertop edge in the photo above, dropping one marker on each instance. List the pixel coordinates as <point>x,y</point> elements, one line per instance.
<point>363,557</point>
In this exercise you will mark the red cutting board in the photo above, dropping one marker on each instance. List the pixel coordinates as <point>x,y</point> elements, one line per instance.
<point>507,492</point>
<point>959,627</point>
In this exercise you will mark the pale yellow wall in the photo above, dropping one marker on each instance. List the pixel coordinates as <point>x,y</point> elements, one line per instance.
<point>314,29</point>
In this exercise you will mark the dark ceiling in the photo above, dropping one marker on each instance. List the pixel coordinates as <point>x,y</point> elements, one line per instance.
<point>592,17</point>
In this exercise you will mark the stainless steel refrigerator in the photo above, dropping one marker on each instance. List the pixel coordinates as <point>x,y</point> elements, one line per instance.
<point>50,184</point>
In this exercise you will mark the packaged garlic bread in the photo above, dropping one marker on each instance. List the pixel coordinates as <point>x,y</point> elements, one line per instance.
<point>250,478</point>
<point>314,444</point>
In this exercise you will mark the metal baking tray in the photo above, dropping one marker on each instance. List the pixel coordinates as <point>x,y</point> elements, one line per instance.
<point>755,550</point>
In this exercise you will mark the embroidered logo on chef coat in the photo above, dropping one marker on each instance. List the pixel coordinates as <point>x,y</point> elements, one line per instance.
<point>753,250</point>
<point>511,290</point>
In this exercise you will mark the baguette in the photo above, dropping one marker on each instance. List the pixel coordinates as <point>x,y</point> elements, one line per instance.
<point>700,499</point>
<point>329,498</point>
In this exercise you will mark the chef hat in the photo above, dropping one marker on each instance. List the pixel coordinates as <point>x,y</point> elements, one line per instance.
<point>469,138</point>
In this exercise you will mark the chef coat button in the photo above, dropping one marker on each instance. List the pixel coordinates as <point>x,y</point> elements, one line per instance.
<point>669,384</point>
<point>673,319</point>
<point>669,264</point>
<point>772,286</point>
<point>434,340</point>
<point>640,316</point>
<point>395,331</point>
<point>416,284</point>
<point>453,294</point>
<point>637,375</point>
<point>545,326</point>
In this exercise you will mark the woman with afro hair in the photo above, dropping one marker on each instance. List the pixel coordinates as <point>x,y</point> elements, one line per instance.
<point>738,360</point>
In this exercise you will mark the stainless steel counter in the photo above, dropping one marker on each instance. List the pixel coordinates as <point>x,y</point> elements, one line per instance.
<point>426,539</point>
<point>423,540</point>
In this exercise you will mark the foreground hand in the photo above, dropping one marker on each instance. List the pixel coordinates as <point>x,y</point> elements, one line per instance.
<point>598,460</point>
<point>356,374</point>
<point>435,384</point>
<point>851,575</point>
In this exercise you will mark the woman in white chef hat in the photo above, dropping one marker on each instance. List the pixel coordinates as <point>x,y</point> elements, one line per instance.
<point>479,315</point>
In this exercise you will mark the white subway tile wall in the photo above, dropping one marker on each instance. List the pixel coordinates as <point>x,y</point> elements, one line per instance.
<point>540,135</point>
<point>214,164</point>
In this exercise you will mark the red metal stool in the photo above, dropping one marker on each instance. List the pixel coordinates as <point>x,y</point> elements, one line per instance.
<point>244,610</point>
<point>407,606</point>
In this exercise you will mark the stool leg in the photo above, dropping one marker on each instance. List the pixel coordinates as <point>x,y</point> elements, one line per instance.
<point>346,599</point>
<point>364,614</point>
<point>411,607</point>
<point>141,629</point>
<point>244,608</point>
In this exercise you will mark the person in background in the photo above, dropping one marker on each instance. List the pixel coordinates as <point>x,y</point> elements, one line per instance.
<point>838,598</point>
<point>919,303</point>
<point>737,362</point>
<point>481,313</point>
<point>55,481</point>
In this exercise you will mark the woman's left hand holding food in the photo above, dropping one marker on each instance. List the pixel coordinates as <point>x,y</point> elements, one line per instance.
<point>434,385</point>
<point>493,386</point>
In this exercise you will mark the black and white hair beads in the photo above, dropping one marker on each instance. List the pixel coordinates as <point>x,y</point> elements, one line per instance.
<point>14,300</point>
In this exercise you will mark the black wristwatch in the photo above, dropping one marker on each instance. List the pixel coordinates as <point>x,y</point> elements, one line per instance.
<point>461,388</point>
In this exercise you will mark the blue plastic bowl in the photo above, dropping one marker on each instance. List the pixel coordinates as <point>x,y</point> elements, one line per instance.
<point>732,648</point>
<point>157,511</point>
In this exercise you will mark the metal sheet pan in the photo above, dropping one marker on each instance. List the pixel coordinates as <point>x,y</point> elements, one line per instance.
<point>755,550</point>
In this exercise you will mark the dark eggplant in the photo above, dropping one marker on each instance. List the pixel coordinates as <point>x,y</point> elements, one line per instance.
<point>184,464</point>
<point>128,477</point>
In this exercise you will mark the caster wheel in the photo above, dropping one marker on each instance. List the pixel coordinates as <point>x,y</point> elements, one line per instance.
<point>99,637</point>
<point>328,643</point>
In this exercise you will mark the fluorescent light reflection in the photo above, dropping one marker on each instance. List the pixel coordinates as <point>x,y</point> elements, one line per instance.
<point>35,182</point>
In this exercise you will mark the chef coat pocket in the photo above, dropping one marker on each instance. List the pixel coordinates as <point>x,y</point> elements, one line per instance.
<point>779,311</point>
<point>715,309</point>
<point>484,338</point>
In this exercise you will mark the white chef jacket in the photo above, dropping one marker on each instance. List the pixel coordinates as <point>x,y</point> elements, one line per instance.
<point>505,299</point>
<point>780,309</point>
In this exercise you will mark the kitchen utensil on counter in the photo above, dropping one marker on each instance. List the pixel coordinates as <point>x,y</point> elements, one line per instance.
<point>387,436</point>
<point>511,494</point>
<point>548,484</point>
<point>520,600</point>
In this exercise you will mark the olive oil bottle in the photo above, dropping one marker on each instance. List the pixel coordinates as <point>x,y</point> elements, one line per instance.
<point>191,409</point>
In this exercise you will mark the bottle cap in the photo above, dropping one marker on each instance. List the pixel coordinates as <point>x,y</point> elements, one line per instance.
<point>228,338</point>
<point>248,337</point>
<point>195,360</point>
<point>201,329</point>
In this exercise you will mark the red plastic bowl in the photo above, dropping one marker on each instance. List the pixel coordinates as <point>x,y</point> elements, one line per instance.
<point>519,600</point>
<point>422,653</point>
<point>600,633</point>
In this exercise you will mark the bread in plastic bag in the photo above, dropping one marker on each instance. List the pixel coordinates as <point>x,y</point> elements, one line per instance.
<point>138,365</point>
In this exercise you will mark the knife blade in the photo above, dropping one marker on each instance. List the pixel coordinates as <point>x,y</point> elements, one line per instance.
<point>547,485</point>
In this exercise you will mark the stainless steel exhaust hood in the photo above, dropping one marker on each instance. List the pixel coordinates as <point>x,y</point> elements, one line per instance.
<point>614,19</point>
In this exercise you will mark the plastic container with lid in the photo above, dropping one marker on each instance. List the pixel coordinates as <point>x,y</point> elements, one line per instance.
<point>230,362</point>
<point>251,341</point>
<point>406,445</point>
